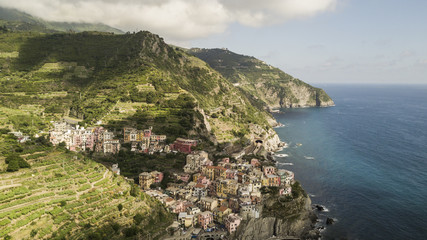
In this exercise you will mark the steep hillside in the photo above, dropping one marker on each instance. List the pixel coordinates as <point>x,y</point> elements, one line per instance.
<point>122,80</point>
<point>19,21</point>
<point>268,85</point>
<point>67,196</point>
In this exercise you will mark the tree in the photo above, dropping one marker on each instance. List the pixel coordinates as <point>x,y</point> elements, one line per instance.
<point>130,231</point>
<point>134,191</point>
<point>33,233</point>
<point>22,163</point>
<point>94,236</point>
<point>138,218</point>
<point>13,166</point>
<point>120,207</point>
<point>115,226</point>
<point>61,145</point>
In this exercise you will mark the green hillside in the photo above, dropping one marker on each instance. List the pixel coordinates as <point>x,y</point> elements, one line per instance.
<point>114,80</point>
<point>264,84</point>
<point>120,80</point>
<point>19,21</point>
<point>64,195</point>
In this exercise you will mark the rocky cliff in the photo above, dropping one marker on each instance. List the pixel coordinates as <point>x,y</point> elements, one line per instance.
<point>281,218</point>
<point>268,87</point>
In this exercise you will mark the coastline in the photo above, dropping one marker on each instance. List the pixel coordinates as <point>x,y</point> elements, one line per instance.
<point>304,224</point>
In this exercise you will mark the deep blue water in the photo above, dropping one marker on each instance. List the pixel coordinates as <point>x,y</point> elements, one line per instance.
<point>370,160</point>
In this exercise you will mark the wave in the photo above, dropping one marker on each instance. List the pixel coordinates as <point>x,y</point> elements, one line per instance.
<point>281,155</point>
<point>285,163</point>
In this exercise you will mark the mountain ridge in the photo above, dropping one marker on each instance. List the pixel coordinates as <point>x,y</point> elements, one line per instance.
<point>20,21</point>
<point>270,86</point>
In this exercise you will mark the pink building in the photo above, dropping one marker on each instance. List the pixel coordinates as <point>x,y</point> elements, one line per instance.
<point>205,218</point>
<point>203,180</point>
<point>90,142</point>
<point>178,206</point>
<point>147,133</point>
<point>255,162</point>
<point>157,176</point>
<point>230,174</point>
<point>269,170</point>
<point>232,222</point>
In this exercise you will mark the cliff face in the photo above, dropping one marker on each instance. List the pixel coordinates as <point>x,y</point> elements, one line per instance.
<point>294,220</point>
<point>267,86</point>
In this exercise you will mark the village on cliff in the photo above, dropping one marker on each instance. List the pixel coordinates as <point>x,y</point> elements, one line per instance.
<point>207,199</point>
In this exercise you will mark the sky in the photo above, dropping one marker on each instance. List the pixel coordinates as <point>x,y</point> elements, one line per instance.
<point>317,41</point>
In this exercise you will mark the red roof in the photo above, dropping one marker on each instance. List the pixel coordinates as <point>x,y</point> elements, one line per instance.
<point>223,208</point>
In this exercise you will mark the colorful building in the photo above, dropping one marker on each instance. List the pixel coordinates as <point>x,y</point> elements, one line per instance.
<point>183,145</point>
<point>232,222</point>
<point>205,218</point>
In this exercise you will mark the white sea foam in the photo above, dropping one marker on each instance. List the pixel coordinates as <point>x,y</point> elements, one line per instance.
<point>281,155</point>
<point>286,163</point>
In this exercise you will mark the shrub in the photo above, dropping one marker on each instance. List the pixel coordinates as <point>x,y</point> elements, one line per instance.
<point>33,233</point>
<point>120,207</point>
<point>13,166</point>
<point>115,226</point>
<point>94,236</point>
<point>130,231</point>
<point>138,218</point>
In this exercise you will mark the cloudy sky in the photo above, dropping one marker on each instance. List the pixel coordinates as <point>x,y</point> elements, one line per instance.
<point>318,41</point>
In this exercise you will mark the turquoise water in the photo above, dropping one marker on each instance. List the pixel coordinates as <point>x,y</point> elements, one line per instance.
<point>370,160</point>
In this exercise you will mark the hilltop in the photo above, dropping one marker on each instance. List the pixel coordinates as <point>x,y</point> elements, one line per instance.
<point>121,80</point>
<point>266,85</point>
<point>20,21</point>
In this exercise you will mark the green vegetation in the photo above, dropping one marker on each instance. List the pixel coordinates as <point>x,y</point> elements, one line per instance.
<point>284,207</point>
<point>15,162</point>
<point>19,21</point>
<point>264,85</point>
<point>121,80</point>
<point>131,164</point>
<point>50,200</point>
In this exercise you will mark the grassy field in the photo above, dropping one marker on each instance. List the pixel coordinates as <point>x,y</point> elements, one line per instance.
<point>65,196</point>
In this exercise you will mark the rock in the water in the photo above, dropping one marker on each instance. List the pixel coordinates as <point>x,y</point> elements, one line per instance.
<point>329,221</point>
<point>319,207</point>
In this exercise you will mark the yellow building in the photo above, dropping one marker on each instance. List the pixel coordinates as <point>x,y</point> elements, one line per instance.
<point>145,180</point>
<point>221,213</point>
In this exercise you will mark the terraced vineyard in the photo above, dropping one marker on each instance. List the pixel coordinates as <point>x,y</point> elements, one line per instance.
<point>65,196</point>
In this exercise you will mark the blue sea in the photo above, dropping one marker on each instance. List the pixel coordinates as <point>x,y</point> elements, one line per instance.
<point>365,159</point>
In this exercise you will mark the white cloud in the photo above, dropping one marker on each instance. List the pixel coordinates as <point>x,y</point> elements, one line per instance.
<point>177,20</point>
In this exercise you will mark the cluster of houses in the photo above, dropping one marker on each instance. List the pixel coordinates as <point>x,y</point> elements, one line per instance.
<point>221,195</point>
<point>98,139</point>
<point>78,138</point>
<point>145,141</point>
<point>20,137</point>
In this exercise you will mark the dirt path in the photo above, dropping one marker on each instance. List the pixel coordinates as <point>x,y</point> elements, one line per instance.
<point>103,177</point>
<point>43,200</point>
<point>10,186</point>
